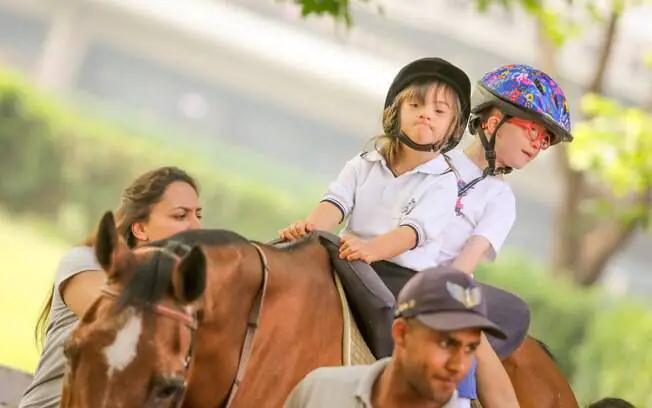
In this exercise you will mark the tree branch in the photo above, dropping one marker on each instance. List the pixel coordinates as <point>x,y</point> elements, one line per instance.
<point>605,52</point>
<point>605,240</point>
<point>569,244</point>
<point>566,242</point>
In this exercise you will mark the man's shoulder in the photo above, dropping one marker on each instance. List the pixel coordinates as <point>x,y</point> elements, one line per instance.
<point>338,375</point>
<point>328,386</point>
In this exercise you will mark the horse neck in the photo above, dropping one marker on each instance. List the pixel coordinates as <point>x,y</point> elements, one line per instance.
<point>301,327</point>
<point>233,279</point>
<point>234,276</point>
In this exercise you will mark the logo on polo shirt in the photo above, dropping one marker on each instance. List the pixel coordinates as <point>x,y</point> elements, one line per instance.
<point>469,297</point>
<point>407,209</point>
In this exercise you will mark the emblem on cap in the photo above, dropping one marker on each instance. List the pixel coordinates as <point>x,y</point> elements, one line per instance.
<point>469,297</point>
<point>406,306</point>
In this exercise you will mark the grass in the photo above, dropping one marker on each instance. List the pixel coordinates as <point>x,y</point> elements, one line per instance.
<point>27,266</point>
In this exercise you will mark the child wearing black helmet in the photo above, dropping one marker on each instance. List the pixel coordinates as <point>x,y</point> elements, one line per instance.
<point>397,198</point>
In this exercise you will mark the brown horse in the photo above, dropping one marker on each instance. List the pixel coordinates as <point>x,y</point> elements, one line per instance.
<point>266,317</point>
<point>536,377</point>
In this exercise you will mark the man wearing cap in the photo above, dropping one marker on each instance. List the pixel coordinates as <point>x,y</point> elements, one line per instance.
<point>441,315</point>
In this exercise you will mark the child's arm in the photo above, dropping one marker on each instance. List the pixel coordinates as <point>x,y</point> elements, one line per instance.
<point>495,389</point>
<point>494,386</point>
<point>325,216</point>
<point>382,247</point>
<point>429,216</point>
<point>474,251</point>
<point>489,235</point>
<point>333,208</point>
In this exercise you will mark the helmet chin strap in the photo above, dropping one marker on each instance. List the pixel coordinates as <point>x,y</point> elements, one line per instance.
<point>490,150</point>
<point>428,147</point>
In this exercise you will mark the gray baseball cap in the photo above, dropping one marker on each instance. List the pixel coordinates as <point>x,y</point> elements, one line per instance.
<point>446,299</point>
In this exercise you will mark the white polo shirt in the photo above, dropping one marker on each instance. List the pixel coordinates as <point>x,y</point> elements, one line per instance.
<point>487,209</point>
<point>374,202</point>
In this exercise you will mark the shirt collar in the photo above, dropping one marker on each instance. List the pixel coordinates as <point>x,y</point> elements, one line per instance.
<point>363,392</point>
<point>436,166</point>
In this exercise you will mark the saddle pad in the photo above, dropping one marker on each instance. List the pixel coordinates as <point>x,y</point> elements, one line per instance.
<point>354,349</point>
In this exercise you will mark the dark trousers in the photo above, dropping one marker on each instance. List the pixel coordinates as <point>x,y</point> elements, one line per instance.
<point>394,276</point>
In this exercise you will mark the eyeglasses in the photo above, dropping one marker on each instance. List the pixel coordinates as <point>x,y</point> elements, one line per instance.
<point>537,134</point>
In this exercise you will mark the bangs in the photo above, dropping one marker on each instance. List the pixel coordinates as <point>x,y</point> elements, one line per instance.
<point>418,92</point>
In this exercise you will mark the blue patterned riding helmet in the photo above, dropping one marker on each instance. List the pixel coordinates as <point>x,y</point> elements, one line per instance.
<point>523,91</point>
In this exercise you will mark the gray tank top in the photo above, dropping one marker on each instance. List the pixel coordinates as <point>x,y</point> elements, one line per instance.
<point>45,390</point>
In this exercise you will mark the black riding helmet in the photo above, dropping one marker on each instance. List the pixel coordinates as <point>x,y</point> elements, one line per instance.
<point>424,70</point>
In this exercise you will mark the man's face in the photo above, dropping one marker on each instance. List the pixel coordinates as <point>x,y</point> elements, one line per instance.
<point>432,362</point>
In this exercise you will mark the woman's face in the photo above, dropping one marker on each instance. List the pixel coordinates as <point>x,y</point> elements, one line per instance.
<point>178,210</point>
<point>518,141</point>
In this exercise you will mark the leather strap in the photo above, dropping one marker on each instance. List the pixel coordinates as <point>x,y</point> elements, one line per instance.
<point>252,325</point>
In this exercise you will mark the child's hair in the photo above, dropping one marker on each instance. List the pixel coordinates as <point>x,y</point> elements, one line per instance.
<point>388,144</point>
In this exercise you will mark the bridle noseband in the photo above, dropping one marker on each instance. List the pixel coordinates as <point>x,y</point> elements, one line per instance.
<point>175,248</point>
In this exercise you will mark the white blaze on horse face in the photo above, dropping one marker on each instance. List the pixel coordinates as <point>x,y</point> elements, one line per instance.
<point>123,350</point>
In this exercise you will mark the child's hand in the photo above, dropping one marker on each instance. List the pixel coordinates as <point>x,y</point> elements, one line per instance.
<point>353,248</point>
<point>296,231</point>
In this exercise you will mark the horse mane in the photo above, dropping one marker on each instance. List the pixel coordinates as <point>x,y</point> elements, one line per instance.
<point>223,237</point>
<point>151,279</point>
<point>149,283</point>
<point>545,348</point>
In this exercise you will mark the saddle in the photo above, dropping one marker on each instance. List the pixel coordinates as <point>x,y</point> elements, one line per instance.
<point>372,305</point>
<point>371,292</point>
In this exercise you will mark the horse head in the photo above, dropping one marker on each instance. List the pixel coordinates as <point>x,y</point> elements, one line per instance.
<point>134,345</point>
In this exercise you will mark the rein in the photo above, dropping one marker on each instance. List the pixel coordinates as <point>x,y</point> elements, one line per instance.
<point>190,321</point>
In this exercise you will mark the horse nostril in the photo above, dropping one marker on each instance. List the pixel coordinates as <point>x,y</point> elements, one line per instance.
<point>170,388</point>
<point>167,391</point>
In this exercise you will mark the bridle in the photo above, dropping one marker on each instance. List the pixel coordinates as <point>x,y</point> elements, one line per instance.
<point>191,322</point>
<point>252,325</point>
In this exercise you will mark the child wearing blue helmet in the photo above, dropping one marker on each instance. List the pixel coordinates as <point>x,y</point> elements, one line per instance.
<point>397,199</point>
<point>516,112</point>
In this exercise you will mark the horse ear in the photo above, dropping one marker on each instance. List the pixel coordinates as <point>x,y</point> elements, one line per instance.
<point>189,277</point>
<point>108,243</point>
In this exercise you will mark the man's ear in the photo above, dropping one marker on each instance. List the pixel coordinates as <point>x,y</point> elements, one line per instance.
<point>400,329</point>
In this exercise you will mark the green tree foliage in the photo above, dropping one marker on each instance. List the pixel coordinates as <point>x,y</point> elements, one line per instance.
<point>616,360</point>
